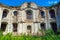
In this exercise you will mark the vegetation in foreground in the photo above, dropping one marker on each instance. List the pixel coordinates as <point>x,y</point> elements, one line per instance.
<point>49,36</point>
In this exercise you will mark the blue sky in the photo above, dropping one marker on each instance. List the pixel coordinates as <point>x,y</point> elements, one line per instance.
<point>20,2</point>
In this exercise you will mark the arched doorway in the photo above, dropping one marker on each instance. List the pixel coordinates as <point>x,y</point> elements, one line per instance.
<point>5,12</point>
<point>28,29</point>
<point>52,13</point>
<point>3,26</point>
<point>54,26</point>
<point>29,14</point>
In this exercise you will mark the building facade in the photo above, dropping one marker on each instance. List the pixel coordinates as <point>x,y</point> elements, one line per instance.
<point>28,18</point>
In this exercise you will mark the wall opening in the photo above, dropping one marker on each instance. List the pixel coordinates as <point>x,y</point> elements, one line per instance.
<point>15,13</point>
<point>15,27</point>
<point>29,14</point>
<point>3,26</point>
<point>5,12</point>
<point>52,13</point>
<point>43,26</point>
<point>29,4</point>
<point>42,14</point>
<point>54,26</point>
<point>28,29</point>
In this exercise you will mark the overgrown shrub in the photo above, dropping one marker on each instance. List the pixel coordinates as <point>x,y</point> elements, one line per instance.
<point>50,35</point>
<point>1,33</point>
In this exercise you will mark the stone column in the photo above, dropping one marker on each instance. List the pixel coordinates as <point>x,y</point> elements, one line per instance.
<point>47,19</point>
<point>36,27</point>
<point>20,27</point>
<point>9,28</point>
<point>24,27</point>
<point>39,27</point>
<point>57,14</point>
<point>32,28</point>
<point>1,12</point>
<point>23,14</point>
<point>34,15</point>
<point>9,25</point>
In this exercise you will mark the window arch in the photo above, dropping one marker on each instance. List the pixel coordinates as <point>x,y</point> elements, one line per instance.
<point>29,14</point>
<point>52,13</point>
<point>43,14</point>
<point>5,12</point>
<point>15,13</point>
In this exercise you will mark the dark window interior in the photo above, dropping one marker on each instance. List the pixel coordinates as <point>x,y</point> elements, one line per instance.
<point>28,27</point>
<point>54,26</point>
<point>28,5</point>
<point>14,27</point>
<point>43,26</point>
<point>15,13</point>
<point>3,26</point>
<point>5,12</point>
<point>52,13</point>
<point>29,14</point>
<point>42,14</point>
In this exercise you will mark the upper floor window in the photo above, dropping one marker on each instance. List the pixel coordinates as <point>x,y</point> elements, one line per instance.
<point>29,14</point>
<point>52,13</point>
<point>28,5</point>
<point>5,12</point>
<point>43,14</point>
<point>15,13</point>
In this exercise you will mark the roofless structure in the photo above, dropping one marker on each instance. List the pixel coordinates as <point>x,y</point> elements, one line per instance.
<point>28,19</point>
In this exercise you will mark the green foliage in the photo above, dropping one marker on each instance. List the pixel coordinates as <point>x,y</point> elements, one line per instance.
<point>1,33</point>
<point>49,36</point>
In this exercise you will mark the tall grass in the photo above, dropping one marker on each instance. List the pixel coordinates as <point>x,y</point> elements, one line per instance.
<point>50,35</point>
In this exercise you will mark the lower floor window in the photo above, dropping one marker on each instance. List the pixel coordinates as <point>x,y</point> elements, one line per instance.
<point>43,26</point>
<point>14,27</point>
<point>3,26</point>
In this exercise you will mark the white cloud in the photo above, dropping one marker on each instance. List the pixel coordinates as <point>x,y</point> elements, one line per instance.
<point>52,2</point>
<point>55,1</point>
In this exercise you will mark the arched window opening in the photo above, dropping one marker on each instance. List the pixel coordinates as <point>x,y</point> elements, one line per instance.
<point>15,13</point>
<point>5,12</point>
<point>43,14</point>
<point>29,14</point>
<point>52,13</point>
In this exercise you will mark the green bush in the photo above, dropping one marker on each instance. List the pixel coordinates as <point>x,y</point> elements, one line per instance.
<point>1,33</point>
<point>49,36</point>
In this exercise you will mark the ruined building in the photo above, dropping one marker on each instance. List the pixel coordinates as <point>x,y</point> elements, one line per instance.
<point>28,18</point>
